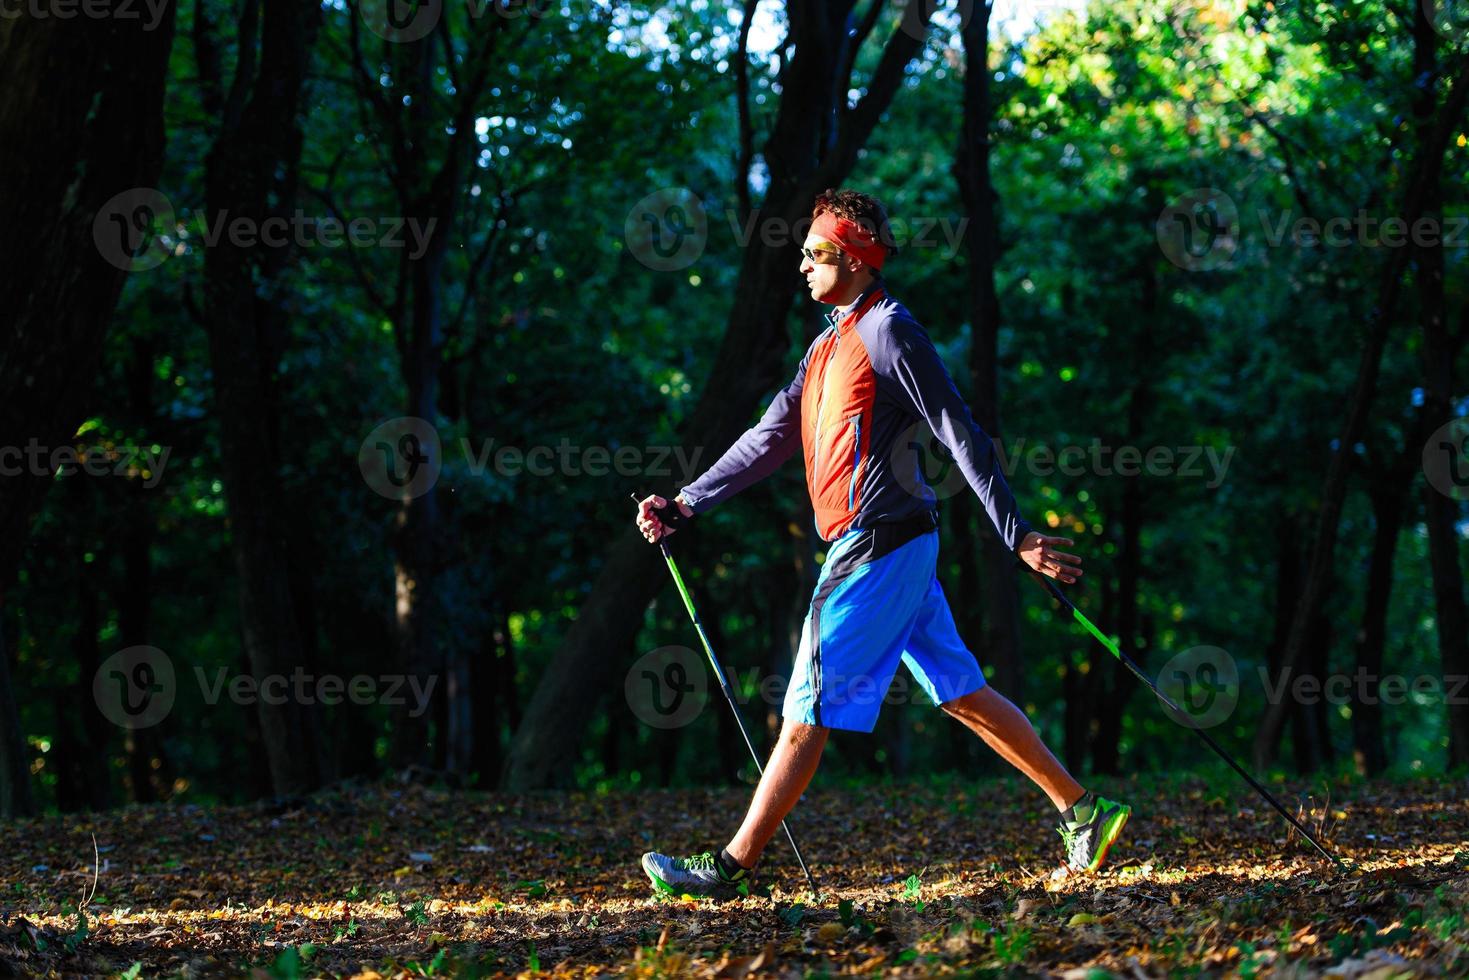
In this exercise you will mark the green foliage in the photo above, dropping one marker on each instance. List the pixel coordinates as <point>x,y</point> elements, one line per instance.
<point>1102,117</point>
<point>1012,944</point>
<point>792,914</point>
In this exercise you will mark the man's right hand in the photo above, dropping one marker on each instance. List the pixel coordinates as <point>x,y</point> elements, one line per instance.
<point>649,524</point>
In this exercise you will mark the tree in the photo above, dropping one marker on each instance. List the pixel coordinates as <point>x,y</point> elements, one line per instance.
<point>75,147</point>
<point>251,176</point>
<point>981,241</point>
<point>812,146</point>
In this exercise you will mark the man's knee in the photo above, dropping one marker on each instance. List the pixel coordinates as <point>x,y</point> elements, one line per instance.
<point>800,733</point>
<point>966,705</point>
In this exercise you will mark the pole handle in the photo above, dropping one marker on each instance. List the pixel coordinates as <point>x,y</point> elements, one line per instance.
<point>671,517</point>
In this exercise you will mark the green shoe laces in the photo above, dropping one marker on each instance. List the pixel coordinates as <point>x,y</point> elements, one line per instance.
<point>699,862</point>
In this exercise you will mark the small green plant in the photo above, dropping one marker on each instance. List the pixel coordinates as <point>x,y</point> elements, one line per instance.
<point>346,931</point>
<point>792,916</point>
<point>847,913</point>
<point>433,966</point>
<point>416,914</point>
<point>78,935</point>
<point>1013,945</point>
<point>288,965</point>
<point>132,972</point>
<point>1250,962</point>
<point>532,889</point>
<point>912,888</point>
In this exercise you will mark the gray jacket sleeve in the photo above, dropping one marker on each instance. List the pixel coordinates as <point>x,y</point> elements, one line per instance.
<point>757,453</point>
<point>906,359</point>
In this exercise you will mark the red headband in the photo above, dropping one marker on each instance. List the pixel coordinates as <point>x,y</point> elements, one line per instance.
<point>850,237</point>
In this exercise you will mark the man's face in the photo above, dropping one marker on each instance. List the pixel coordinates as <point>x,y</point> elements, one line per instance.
<point>827,276</point>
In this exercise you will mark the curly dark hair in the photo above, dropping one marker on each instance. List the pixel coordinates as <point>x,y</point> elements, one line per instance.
<point>866,210</point>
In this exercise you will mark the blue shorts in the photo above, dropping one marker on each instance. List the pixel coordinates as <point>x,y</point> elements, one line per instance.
<point>878,601</point>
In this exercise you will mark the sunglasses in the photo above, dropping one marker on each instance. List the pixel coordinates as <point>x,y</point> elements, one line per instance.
<point>812,253</point>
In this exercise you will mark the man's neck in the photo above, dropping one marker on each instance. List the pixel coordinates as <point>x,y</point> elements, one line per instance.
<point>841,309</point>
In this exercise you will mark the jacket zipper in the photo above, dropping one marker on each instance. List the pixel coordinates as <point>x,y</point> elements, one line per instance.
<point>856,460</point>
<point>821,402</point>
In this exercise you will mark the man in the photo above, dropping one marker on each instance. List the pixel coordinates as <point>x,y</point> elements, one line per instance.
<point>863,385</point>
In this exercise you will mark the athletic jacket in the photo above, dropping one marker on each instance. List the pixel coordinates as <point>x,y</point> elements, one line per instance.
<point>855,406</point>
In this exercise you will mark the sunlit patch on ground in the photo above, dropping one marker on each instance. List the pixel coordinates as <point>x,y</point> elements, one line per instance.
<point>915,880</point>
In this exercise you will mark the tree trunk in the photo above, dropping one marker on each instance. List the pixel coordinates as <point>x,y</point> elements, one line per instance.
<point>1390,490</point>
<point>1423,178</point>
<point>1001,642</point>
<point>251,174</point>
<point>750,361</point>
<point>1442,511</point>
<point>72,139</point>
<point>1111,706</point>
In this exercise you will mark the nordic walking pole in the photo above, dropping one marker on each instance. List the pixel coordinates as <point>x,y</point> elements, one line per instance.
<point>718,671</point>
<point>1138,673</point>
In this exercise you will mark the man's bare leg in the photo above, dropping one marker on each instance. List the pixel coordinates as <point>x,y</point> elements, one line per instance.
<point>1005,729</point>
<point>791,766</point>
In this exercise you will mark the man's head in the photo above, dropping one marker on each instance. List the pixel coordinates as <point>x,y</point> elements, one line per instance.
<point>846,247</point>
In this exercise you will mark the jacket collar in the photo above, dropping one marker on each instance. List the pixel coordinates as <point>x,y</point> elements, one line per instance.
<point>842,317</point>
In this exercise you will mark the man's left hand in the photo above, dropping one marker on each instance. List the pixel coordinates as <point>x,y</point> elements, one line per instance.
<point>1039,552</point>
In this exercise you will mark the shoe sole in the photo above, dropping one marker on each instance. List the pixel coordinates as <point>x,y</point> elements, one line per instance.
<point>1110,832</point>
<point>658,883</point>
